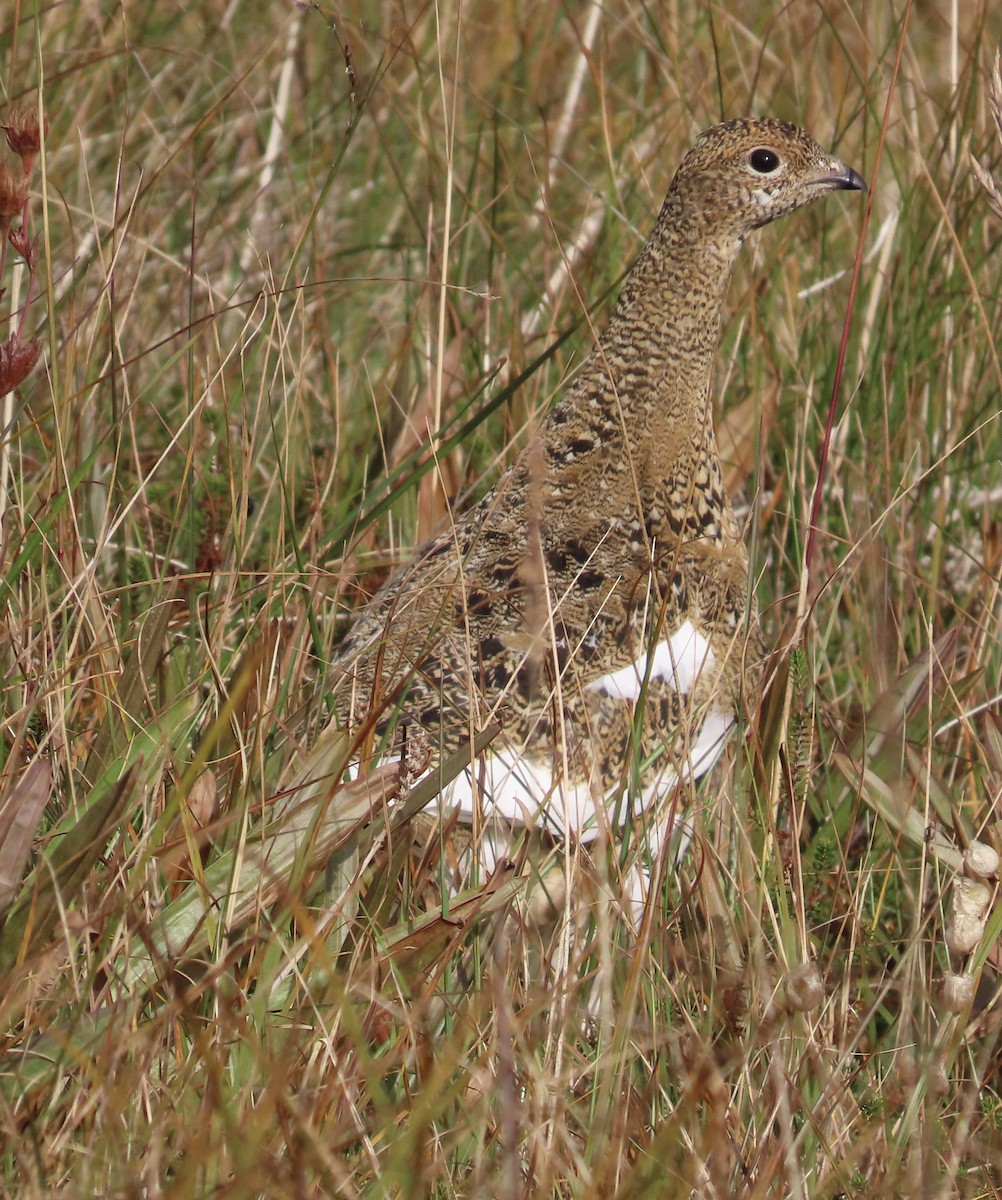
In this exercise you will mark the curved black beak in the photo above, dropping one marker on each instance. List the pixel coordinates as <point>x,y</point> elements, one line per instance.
<point>847,180</point>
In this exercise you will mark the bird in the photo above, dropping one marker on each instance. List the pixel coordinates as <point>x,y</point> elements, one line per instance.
<point>595,603</point>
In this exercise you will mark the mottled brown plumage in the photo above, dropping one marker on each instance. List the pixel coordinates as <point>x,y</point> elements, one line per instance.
<point>611,535</point>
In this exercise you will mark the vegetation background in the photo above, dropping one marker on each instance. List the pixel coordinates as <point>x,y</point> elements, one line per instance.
<point>307,276</point>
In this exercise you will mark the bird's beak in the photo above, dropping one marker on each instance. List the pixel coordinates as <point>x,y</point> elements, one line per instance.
<point>845,179</point>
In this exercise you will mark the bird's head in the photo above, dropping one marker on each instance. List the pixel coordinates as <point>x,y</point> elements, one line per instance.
<point>745,173</point>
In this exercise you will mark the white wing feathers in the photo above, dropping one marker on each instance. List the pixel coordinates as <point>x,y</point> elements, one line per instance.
<point>677,662</point>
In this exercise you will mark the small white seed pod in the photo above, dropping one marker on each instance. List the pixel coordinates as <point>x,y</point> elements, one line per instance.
<point>804,988</point>
<point>908,1071</point>
<point>957,992</point>
<point>971,897</point>
<point>937,1079</point>
<point>968,906</point>
<point>962,934</point>
<point>981,861</point>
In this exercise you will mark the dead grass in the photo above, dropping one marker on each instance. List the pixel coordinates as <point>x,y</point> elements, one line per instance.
<point>285,252</point>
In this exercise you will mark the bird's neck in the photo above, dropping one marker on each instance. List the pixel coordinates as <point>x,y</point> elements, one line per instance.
<point>644,393</point>
<point>663,337</point>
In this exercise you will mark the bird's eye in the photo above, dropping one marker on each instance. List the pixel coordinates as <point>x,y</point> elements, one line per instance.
<point>763,161</point>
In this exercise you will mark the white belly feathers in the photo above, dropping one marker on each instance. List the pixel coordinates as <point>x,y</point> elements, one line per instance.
<point>508,784</point>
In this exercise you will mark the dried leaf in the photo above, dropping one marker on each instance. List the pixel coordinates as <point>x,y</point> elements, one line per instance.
<point>201,799</point>
<point>17,361</point>
<point>191,831</point>
<point>992,741</point>
<point>20,812</point>
<point>424,938</point>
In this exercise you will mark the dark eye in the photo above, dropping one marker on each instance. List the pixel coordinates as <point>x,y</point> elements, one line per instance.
<point>763,161</point>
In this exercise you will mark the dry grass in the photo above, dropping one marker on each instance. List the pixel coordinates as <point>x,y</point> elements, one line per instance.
<point>285,252</point>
